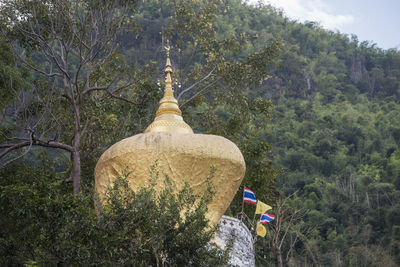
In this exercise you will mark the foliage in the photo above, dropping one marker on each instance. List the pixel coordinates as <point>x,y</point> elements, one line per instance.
<point>334,133</point>
<point>95,118</point>
<point>333,129</point>
<point>340,156</point>
<point>47,225</point>
<point>88,73</point>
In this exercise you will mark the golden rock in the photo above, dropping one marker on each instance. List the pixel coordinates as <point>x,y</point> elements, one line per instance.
<point>179,153</point>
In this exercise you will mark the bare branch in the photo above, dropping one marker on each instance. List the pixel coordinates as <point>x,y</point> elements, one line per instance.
<point>291,246</point>
<point>292,217</point>
<point>199,93</point>
<point>195,84</point>
<point>11,147</point>
<point>112,94</point>
<point>49,75</point>
<point>32,141</point>
<point>86,127</point>
<point>47,49</point>
<point>14,159</point>
<point>122,98</point>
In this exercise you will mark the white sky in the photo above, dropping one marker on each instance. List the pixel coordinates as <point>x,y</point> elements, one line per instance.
<point>372,20</point>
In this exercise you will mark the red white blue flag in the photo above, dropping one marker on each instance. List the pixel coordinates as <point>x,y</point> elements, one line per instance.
<point>266,218</point>
<point>249,196</point>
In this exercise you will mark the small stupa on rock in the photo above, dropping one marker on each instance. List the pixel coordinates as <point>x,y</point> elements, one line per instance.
<point>178,152</point>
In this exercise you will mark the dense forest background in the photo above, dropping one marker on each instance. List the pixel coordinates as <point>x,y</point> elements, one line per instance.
<point>323,126</point>
<point>334,131</point>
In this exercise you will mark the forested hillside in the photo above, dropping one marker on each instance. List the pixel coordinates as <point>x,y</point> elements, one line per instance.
<point>315,113</point>
<point>335,132</point>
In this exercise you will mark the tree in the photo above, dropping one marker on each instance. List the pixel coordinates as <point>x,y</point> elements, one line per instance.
<point>76,64</point>
<point>284,232</point>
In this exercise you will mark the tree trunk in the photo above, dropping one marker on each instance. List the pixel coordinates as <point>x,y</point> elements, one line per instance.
<point>76,171</point>
<point>76,158</point>
<point>278,256</point>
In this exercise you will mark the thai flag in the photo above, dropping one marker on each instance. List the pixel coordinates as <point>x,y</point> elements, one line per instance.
<point>249,197</point>
<point>266,218</point>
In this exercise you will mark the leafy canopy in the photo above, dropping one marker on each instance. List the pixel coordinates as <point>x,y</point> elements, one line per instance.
<point>47,225</point>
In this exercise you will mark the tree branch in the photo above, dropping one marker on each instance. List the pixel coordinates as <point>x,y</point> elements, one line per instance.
<point>289,224</point>
<point>196,83</point>
<point>292,243</point>
<point>49,75</point>
<point>113,95</point>
<point>33,141</point>
<point>198,93</point>
<point>14,159</point>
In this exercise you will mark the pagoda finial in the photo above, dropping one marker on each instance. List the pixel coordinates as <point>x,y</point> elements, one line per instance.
<point>168,73</point>
<point>167,48</point>
<point>168,116</point>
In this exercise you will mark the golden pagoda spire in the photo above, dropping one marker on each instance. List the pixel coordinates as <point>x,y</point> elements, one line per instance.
<point>168,116</point>
<point>182,155</point>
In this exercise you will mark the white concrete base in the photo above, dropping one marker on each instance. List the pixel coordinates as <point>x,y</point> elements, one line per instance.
<point>233,230</point>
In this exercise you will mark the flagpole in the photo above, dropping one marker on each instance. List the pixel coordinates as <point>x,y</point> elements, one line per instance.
<point>254,217</point>
<point>241,214</point>
<point>255,234</point>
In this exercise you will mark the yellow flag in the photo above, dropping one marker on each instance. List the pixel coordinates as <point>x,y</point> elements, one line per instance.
<point>261,231</point>
<point>262,207</point>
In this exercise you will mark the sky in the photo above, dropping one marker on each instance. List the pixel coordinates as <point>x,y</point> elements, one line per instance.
<point>377,21</point>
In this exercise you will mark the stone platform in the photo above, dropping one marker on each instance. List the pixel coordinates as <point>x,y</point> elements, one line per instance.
<point>233,230</point>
